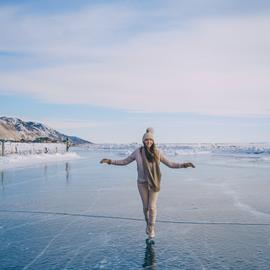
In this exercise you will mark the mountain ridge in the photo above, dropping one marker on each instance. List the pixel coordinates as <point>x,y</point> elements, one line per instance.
<point>15,129</point>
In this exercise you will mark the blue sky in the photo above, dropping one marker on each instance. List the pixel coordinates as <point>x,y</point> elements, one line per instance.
<point>196,71</point>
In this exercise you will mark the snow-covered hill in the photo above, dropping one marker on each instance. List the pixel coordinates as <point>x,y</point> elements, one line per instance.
<point>16,130</point>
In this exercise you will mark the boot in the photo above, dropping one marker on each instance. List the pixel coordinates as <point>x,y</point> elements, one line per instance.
<point>151,231</point>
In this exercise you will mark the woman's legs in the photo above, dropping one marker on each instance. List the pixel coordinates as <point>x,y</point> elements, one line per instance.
<point>152,206</point>
<point>149,201</point>
<point>143,190</point>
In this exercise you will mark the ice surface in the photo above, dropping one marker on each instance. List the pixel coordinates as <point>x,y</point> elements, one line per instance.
<point>79,214</point>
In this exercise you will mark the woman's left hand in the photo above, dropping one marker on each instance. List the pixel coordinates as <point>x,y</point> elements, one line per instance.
<point>106,160</point>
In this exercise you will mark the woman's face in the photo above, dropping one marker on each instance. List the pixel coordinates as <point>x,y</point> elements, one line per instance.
<point>148,143</point>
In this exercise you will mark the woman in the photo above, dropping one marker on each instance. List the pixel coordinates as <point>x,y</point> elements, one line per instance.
<point>148,159</point>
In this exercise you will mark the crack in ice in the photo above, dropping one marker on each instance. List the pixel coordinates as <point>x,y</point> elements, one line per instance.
<point>190,222</point>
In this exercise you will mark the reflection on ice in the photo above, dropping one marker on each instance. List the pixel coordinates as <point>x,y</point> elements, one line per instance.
<point>67,166</point>
<point>150,261</point>
<point>2,179</point>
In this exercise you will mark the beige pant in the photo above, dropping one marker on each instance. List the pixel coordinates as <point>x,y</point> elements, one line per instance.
<point>149,201</point>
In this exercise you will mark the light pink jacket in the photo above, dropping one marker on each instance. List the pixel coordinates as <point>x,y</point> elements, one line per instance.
<point>136,155</point>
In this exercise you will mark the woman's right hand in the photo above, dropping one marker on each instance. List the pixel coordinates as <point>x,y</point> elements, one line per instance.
<point>105,160</point>
<point>188,164</point>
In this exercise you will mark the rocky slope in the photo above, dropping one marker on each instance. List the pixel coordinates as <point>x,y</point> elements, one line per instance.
<point>15,129</point>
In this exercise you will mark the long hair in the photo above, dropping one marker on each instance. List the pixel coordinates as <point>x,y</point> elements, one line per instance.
<point>152,153</point>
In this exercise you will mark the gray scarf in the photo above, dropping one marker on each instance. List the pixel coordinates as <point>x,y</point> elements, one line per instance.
<point>151,171</point>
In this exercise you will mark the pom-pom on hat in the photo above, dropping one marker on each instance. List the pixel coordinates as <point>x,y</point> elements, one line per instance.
<point>149,134</point>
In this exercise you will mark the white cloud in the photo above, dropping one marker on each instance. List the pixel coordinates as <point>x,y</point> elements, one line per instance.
<point>68,34</point>
<point>213,65</point>
<point>71,124</point>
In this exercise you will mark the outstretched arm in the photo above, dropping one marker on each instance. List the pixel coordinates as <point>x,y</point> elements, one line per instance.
<point>174,165</point>
<point>122,162</point>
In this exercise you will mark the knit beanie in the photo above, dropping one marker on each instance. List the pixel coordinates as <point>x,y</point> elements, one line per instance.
<point>149,134</point>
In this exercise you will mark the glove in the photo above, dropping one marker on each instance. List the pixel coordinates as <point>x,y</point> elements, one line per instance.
<point>105,160</point>
<point>188,164</point>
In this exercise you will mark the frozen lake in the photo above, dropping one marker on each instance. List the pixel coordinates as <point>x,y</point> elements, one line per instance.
<point>79,214</point>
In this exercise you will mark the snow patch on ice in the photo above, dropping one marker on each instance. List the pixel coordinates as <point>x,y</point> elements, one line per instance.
<point>251,210</point>
<point>16,160</point>
<point>243,206</point>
